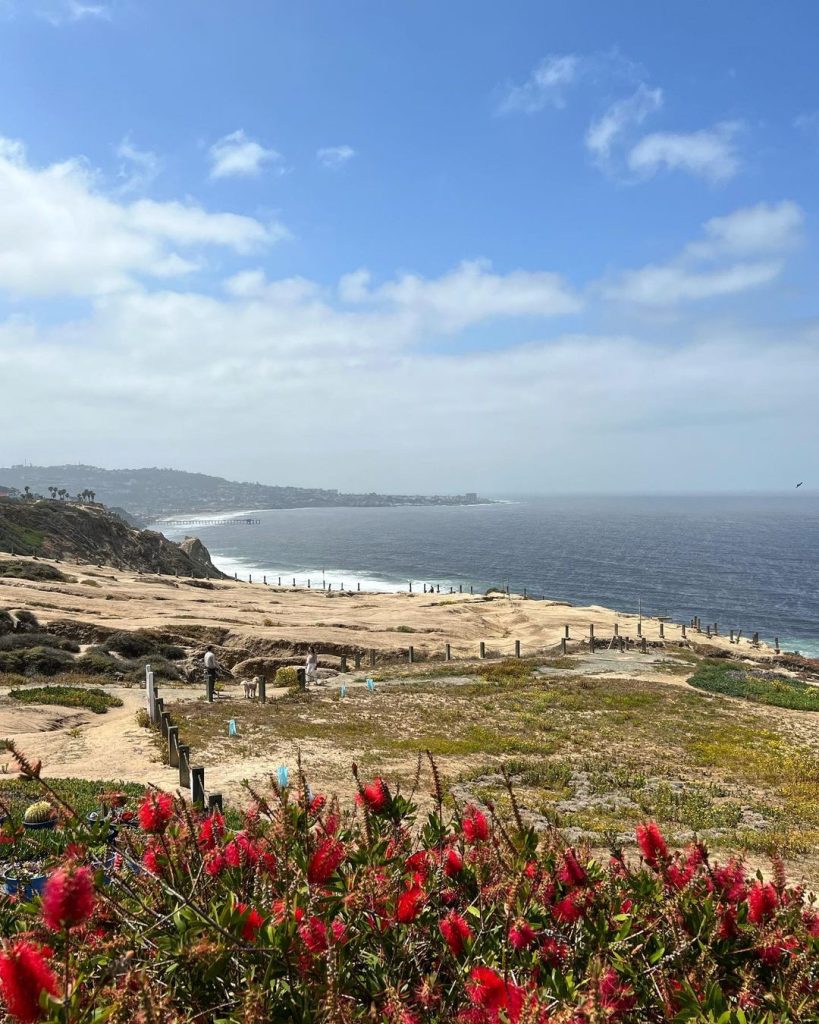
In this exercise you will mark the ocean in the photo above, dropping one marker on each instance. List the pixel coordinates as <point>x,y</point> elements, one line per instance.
<point>746,562</point>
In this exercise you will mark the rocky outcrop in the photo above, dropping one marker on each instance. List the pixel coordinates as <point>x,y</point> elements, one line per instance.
<point>91,533</point>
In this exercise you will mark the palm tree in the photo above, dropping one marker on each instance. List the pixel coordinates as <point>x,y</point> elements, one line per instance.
<point>53,492</point>
<point>27,492</point>
<point>62,493</point>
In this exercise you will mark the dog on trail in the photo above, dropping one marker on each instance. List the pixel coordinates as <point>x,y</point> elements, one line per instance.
<point>250,686</point>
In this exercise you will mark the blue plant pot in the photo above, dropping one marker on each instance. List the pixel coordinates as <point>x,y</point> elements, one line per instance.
<point>40,825</point>
<point>26,890</point>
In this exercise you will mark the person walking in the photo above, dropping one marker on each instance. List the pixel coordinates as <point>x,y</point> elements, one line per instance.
<point>210,673</point>
<point>311,665</point>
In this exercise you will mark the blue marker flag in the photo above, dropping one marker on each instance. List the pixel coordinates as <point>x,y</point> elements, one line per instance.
<point>232,727</point>
<point>282,776</point>
<point>370,684</point>
<point>343,691</point>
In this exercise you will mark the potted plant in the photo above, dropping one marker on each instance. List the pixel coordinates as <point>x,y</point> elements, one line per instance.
<point>40,815</point>
<point>25,859</point>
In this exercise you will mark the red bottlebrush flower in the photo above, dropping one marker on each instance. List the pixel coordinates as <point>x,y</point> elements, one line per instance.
<point>679,875</point>
<point>313,934</point>
<point>811,923</point>
<point>409,904</point>
<point>24,974</point>
<point>153,857</point>
<point>727,927</point>
<point>521,934</point>
<point>268,863</point>
<point>487,988</point>
<point>571,872</point>
<point>252,922</point>
<point>68,898</point>
<point>331,823</point>
<point>241,851</point>
<point>775,950</point>
<point>614,995</point>
<point>569,909</point>
<point>453,863</point>
<point>374,796</point>
<point>554,952</point>
<point>325,861</point>
<point>340,933</point>
<point>155,811</point>
<point>762,902</point>
<point>211,831</point>
<point>214,864</point>
<point>418,865</point>
<point>626,905</point>
<point>317,804</point>
<point>730,880</point>
<point>456,932</point>
<point>651,843</point>
<point>476,828</point>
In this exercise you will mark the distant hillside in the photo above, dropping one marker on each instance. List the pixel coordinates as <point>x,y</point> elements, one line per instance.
<point>59,529</point>
<point>158,492</point>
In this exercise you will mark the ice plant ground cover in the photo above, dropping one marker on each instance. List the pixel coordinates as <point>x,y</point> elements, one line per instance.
<point>311,912</point>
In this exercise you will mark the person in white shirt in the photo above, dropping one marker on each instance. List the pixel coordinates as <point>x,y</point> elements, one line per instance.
<point>311,665</point>
<point>210,672</point>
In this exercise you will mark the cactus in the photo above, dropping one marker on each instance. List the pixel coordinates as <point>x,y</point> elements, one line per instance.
<point>38,813</point>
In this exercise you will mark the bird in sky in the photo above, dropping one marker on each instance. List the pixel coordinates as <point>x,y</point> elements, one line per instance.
<point>800,483</point>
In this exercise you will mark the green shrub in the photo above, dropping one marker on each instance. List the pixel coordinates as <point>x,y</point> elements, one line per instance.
<point>405,629</point>
<point>36,661</point>
<point>24,570</point>
<point>6,622</point>
<point>172,652</point>
<point>18,641</point>
<point>287,676</point>
<point>130,645</point>
<point>99,664</point>
<point>753,684</point>
<point>26,621</point>
<point>90,697</point>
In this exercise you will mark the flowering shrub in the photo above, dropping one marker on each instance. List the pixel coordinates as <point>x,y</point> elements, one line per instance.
<point>307,913</point>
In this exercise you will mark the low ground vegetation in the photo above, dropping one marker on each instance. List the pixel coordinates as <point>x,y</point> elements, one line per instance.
<point>91,697</point>
<point>308,911</point>
<point>750,682</point>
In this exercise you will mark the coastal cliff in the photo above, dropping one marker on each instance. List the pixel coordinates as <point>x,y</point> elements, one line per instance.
<point>92,533</point>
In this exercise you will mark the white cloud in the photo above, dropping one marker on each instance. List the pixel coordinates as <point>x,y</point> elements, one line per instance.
<point>139,167</point>
<point>63,12</point>
<point>710,153</point>
<point>764,228</point>
<point>670,284</point>
<point>620,118</point>
<point>546,86</point>
<point>59,235</point>
<point>740,252</point>
<point>334,157</point>
<point>467,295</point>
<point>237,156</point>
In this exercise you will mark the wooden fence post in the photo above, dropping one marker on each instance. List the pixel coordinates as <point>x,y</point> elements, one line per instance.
<point>662,630</point>
<point>639,628</point>
<point>301,678</point>
<point>563,645</point>
<point>643,645</point>
<point>732,637</point>
<point>410,654</point>
<point>683,631</point>
<point>447,652</point>
<point>342,663</point>
<point>616,629</point>
<point>517,648</point>
<point>357,657</point>
<point>173,746</point>
<point>262,690</point>
<point>159,707</point>
<point>776,645</point>
<point>483,649</point>
<point>372,657</point>
<point>214,802</point>
<point>165,724</point>
<point>566,632</point>
<point>184,765</point>
<point>197,785</point>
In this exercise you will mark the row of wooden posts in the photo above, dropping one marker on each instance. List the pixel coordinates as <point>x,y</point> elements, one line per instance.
<point>191,777</point>
<point>428,589</point>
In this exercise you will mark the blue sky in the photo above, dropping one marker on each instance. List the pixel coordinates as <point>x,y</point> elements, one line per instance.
<point>412,245</point>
